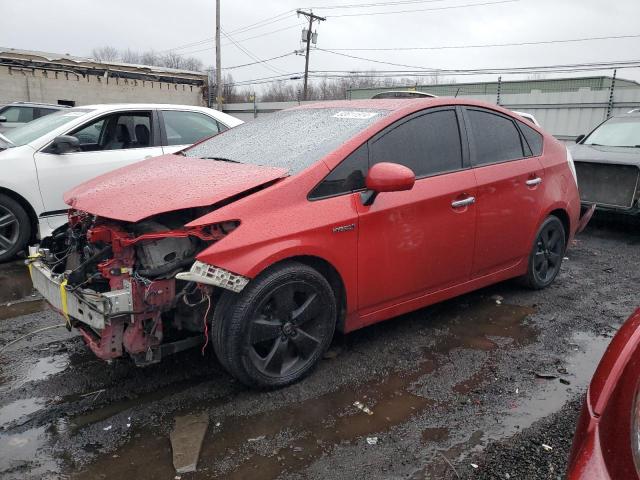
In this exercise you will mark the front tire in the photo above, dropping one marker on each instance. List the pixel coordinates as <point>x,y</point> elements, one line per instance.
<point>275,331</point>
<point>546,255</point>
<point>15,228</point>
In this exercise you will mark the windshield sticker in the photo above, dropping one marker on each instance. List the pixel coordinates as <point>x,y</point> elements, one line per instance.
<point>356,115</point>
<point>74,114</point>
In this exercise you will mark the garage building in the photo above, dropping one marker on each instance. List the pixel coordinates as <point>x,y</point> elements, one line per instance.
<point>32,76</point>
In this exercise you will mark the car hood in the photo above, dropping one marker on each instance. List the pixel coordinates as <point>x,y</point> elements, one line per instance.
<point>594,153</point>
<point>166,183</point>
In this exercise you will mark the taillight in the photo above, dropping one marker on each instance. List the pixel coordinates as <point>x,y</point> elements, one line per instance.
<point>572,166</point>
<point>635,430</point>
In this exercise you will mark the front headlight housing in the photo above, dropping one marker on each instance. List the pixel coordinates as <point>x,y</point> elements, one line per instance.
<point>201,272</point>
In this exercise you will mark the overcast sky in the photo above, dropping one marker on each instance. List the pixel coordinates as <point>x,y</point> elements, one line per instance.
<point>75,26</point>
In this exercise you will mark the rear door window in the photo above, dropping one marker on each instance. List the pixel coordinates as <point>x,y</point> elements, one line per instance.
<point>429,144</point>
<point>185,128</point>
<point>495,138</point>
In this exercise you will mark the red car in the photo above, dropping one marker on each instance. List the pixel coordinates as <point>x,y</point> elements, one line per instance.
<point>337,215</point>
<point>606,445</point>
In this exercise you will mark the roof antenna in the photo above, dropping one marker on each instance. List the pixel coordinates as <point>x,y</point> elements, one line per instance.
<point>457,92</point>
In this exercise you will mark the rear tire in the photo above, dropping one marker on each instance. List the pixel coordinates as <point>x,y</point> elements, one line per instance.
<point>15,228</point>
<point>546,255</point>
<point>275,331</point>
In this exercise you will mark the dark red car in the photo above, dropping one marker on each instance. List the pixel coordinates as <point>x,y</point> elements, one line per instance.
<point>606,445</point>
<point>268,237</point>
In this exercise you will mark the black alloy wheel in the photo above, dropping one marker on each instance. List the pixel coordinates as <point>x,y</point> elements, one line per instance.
<point>15,228</point>
<point>275,331</point>
<point>547,254</point>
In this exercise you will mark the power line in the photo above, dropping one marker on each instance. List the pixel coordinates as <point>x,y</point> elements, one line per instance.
<point>374,61</point>
<point>210,47</point>
<point>568,68</point>
<point>487,45</point>
<point>371,5</point>
<point>251,55</point>
<point>421,9</point>
<point>263,23</point>
<point>260,61</point>
<point>274,78</point>
<point>253,26</point>
<point>495,70</point>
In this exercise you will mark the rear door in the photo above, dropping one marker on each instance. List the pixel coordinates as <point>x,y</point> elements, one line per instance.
<point>509,194</point>
<point>107,142</point>
<point>419,241</point>
<point>184,128</point>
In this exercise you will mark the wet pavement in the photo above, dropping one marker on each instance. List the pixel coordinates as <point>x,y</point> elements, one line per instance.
<point>419,396</point>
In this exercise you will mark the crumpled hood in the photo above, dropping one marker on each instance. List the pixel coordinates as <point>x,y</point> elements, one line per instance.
<point>594,153</point>
<point>164,184</point>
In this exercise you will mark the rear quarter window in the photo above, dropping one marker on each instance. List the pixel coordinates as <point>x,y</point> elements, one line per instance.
<point>533,138</point>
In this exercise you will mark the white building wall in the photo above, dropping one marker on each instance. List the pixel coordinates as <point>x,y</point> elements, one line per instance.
<point>50,87</point>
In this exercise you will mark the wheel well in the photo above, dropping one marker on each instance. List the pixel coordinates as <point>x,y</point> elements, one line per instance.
<point>329,272</point>
<point>27,208</point>
<point>564,218</point>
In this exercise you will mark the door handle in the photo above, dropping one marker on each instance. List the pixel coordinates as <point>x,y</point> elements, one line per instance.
<point>533,182</point>
<point>464,202</point>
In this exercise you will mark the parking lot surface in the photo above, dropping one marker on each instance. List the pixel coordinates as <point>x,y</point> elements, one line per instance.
<point>470,388</point>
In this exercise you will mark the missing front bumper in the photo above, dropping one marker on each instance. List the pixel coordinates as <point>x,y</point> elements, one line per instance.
<point>91,308</point>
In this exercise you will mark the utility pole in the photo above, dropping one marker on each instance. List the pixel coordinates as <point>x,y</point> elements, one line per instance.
<point>218,60</point>
<point>311,18</point>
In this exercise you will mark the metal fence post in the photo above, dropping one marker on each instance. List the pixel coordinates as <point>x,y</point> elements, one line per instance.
<point>612,90</point>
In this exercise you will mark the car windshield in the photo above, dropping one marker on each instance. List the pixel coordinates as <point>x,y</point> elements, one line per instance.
<point>33,130</point>
<point>616,132</point>
<point>290,139</point>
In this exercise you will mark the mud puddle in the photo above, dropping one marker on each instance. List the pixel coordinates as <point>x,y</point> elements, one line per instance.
<point>15,282</point>
<point>289,439</point>
<point>526,407</point>
<point>21,456</point>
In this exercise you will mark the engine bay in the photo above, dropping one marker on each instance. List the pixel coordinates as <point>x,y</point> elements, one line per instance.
<point>96,256</point>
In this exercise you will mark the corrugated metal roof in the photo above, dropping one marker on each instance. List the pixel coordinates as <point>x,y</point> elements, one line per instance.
<point>71,60</point>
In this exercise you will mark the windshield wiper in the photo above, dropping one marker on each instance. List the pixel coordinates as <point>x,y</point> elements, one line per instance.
<point>220,159</point>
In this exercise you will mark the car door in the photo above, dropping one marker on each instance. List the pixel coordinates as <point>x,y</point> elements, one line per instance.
<point>419,241</point>
<point>184,128</point>
<point>509,190</point>
<point>107,142</point>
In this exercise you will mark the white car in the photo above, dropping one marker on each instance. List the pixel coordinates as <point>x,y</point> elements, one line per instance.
<point>44,158</point>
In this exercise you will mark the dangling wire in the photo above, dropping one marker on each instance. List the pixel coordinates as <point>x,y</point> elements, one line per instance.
<point>206,325</point>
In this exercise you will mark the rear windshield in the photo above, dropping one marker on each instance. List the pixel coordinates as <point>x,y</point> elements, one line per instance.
<point>617,132</point>
<point>291,139</point>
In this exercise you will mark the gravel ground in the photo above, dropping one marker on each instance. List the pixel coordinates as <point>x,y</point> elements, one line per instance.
<point>449,385</point>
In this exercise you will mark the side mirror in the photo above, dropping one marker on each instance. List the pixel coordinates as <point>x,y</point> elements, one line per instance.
<point>3,119</point>
<point>65,144</point>
<point>579,138</point>
<point>387,177</point>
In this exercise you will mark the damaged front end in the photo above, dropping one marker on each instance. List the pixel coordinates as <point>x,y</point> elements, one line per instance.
<point>133,288</point>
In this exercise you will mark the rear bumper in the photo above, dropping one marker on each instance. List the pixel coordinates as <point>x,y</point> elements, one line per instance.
<point>82,305</point>
<point>586,212</point>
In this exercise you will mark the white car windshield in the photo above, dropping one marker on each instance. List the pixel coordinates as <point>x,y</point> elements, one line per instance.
<point>33,130</point>
<point>616,132</point>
